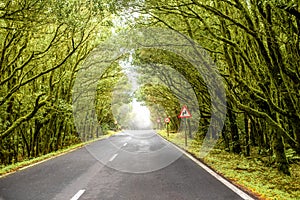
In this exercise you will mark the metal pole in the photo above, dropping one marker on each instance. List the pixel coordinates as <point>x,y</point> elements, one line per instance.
<point>185,133</point>
<point>168,129</point>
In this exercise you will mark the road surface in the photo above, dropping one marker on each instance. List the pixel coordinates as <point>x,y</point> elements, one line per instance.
<point>132,165</point>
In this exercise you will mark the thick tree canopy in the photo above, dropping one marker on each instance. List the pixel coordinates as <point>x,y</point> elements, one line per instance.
<point>255,45</point>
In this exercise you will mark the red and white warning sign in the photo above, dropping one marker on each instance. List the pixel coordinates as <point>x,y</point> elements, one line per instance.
<point>185,113</point>
<point>167,120</point>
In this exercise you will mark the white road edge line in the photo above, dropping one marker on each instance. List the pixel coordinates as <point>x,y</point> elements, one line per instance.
<point>235,189</point>
<point>112,158</point>
<point>78,195</point>
<point>125,144</point>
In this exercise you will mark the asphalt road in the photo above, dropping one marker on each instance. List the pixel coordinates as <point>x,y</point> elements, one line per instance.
<point>132,165</point>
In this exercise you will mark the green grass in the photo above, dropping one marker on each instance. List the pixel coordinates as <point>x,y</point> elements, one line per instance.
<point>248,173</point>
<point>20,165</point>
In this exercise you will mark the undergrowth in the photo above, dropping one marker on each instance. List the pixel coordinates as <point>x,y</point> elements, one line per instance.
<point>249,173</point>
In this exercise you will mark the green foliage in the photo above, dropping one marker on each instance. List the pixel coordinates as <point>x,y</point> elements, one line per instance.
<point>111,95</point>
<point>174,82</point>
<point>43,44</point>
<point>256,47</point>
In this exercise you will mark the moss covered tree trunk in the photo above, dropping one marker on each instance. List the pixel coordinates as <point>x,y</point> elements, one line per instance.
<point>236,146</point>
<point>279,151</point>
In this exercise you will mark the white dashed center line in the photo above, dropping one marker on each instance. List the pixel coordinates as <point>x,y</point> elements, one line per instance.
<point>125,144</point>
<point>112,158</point>
<point>78,195</point>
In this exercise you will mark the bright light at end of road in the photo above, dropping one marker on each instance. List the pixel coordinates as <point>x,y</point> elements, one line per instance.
<point>141,115</point>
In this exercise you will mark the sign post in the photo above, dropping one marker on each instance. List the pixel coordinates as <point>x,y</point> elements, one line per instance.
<point>185,132</point>
<point>185,113</point>
<point>167,121</point>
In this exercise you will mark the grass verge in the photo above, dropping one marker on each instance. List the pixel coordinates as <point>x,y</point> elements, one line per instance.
<point>23,164</point>
<point>264,182</point>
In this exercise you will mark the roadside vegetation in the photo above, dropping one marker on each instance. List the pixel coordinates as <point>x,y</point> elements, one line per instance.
<point>248,173</point>
<point>5,170</point>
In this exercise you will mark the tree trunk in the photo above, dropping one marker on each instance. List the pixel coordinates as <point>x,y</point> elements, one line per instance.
<point>236,146</point>
<point>279,151</point>
<point>247,132</point>
<point>226,140</point>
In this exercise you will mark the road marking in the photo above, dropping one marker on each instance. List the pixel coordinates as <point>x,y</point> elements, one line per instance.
<point>230,185</point>
<point>221,179</point>
<point>78,195</point>
<point>112,158</point>
<point>124,145</point>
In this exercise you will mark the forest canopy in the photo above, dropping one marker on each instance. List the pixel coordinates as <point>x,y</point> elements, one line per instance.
<point>255,45</point>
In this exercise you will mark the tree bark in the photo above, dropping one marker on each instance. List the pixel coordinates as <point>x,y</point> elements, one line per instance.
<point>236,147</point>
